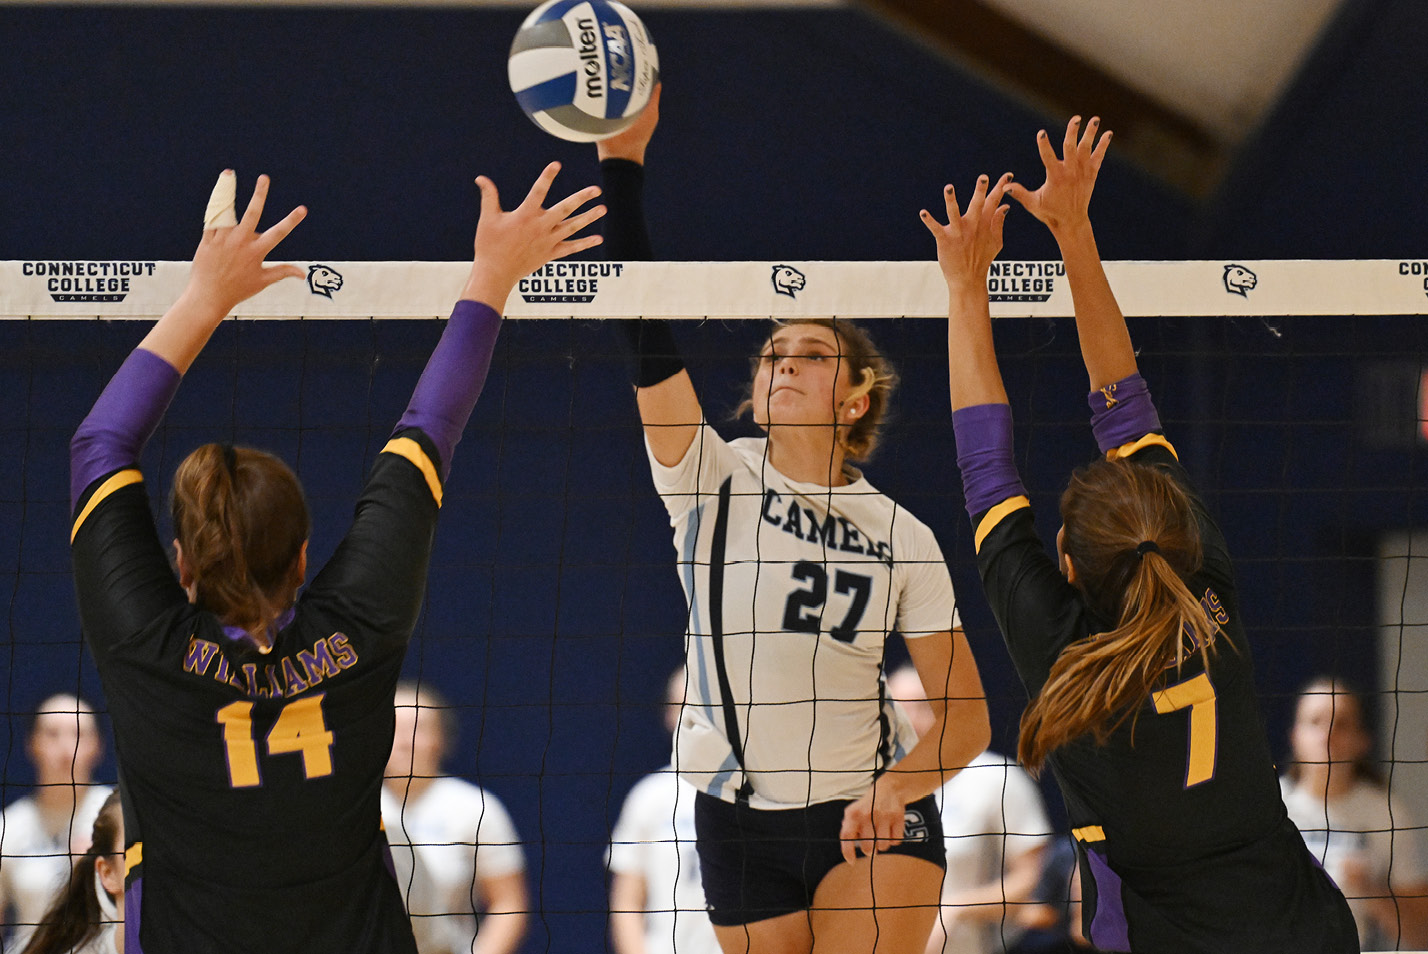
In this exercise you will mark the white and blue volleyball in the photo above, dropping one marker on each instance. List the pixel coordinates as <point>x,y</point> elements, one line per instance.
<point>583,69</point>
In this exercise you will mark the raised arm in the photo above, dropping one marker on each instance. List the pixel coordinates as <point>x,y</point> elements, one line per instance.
<point>122,575</point>
<point>669,407</point>
<point>966,246</point>
<point>508,246</point>
<point>981,418</point>
<point>228,268</point>
<point>378,573</point>
<point>1063,204</point>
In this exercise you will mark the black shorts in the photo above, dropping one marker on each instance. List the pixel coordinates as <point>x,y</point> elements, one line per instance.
<point>759,864</point>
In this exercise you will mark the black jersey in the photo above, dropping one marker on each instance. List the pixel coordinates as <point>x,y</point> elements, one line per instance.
<point>251,780</point>
<point>1183,839</point>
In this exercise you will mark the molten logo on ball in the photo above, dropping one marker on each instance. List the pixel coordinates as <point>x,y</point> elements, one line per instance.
<point>583,69</point>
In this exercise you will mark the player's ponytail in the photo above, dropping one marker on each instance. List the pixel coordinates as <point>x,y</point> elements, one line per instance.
<point>241,520</point>
<point>75,916</point>
<point>1131,535</point>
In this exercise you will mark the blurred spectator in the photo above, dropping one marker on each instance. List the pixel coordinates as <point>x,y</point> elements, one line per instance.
<point>1053,924</point>
<point>656,897</point>
<point>42,834</point>
<point>1366,840</point>
<point>87,916</point>
<point>460,834</point>
<point>996,832</point>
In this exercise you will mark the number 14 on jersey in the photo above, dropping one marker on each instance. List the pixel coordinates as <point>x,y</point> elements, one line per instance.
<point>300,728</point>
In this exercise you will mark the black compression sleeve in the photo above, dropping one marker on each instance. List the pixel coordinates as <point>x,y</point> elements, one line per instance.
<point>627,237</point>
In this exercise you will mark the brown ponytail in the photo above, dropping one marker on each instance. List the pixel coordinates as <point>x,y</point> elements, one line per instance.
<point>74,917</point>
<point>241,519</point>
<point>1110,509</point>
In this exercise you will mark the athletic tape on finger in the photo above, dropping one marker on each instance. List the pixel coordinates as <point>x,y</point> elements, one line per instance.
<point>220,214</point>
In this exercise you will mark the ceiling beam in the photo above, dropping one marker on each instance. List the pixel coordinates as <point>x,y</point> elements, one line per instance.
<point>1169,144</point>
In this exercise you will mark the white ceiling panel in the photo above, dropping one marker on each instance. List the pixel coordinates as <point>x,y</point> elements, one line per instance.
<point>1221,62</point>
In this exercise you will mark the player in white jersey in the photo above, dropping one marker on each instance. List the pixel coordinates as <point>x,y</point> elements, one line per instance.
<point>815,822</point>
<point>995,831</point>
<point>42,834</point>
<point>656,896</point>
<point>467,855</point>
<point>1362,833</point>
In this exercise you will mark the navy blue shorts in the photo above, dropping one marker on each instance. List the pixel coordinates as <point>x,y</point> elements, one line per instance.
<point>760,864</point>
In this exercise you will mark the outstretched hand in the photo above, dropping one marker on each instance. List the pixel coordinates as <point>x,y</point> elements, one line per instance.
<point>969,241</point>
<point>228,267</point>
<point>1064,199</point>
<point>630,143</point>
<point>511,245</point>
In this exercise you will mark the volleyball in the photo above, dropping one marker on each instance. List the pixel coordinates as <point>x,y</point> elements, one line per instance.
<point>582,69</point>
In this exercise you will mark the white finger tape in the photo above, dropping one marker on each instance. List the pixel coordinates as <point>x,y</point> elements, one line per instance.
<point>220,214</point>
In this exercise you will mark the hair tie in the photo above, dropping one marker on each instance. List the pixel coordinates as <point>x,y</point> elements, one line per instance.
<point>230,459</point>
<point>1146,546</point>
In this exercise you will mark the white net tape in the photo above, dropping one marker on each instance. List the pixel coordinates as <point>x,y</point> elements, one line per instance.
<point>137,289</point>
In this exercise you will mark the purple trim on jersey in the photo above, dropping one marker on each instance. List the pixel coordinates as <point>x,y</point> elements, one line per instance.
<point>121,422</point>
<point>984,454</point>
<point>133,906</point>
<point>389,862</point>
<point>1122,412</point>
<point>454,375</point>
<point>1109,930</point>
<point>238,633</point>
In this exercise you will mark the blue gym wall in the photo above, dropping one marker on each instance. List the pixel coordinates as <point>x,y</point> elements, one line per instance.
<point>553,613</point>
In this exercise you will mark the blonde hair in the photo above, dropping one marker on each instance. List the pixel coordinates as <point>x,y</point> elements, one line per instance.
<point>1110,509</point>
<point>871,373</point>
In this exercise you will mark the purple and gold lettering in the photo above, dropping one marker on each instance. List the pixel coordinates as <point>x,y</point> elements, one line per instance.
<point>199,656</point>
<point>346,656</point>
<point>319,663</point>
<point>295,683</point>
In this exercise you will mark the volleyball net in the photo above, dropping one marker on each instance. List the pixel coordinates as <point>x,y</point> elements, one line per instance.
<point>1294,391</point>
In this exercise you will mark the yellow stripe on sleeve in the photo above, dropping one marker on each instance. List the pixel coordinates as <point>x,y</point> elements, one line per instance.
<point>1149,440</point>
<point>133,857</point>
<point>122,479</point>
<point>1089,833</point>
<point>995,516</point>
<point>412,451</point>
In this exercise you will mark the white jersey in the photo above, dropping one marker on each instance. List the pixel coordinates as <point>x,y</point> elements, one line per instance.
<point>992,812</point>
<point>814,580</point>
<point>460,833</point>
<point>654,838</point>
<point>102,943</point>
<point>1364,830</point>
<point>34,864</point>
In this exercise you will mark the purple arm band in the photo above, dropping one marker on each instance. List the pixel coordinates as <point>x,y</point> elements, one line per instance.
<point>121,422</point>
<point>454,375</point>
<point>1122,412</point>
<point>984,454</point>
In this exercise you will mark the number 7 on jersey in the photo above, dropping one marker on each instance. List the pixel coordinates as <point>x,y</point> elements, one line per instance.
<point>1197,695</point>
